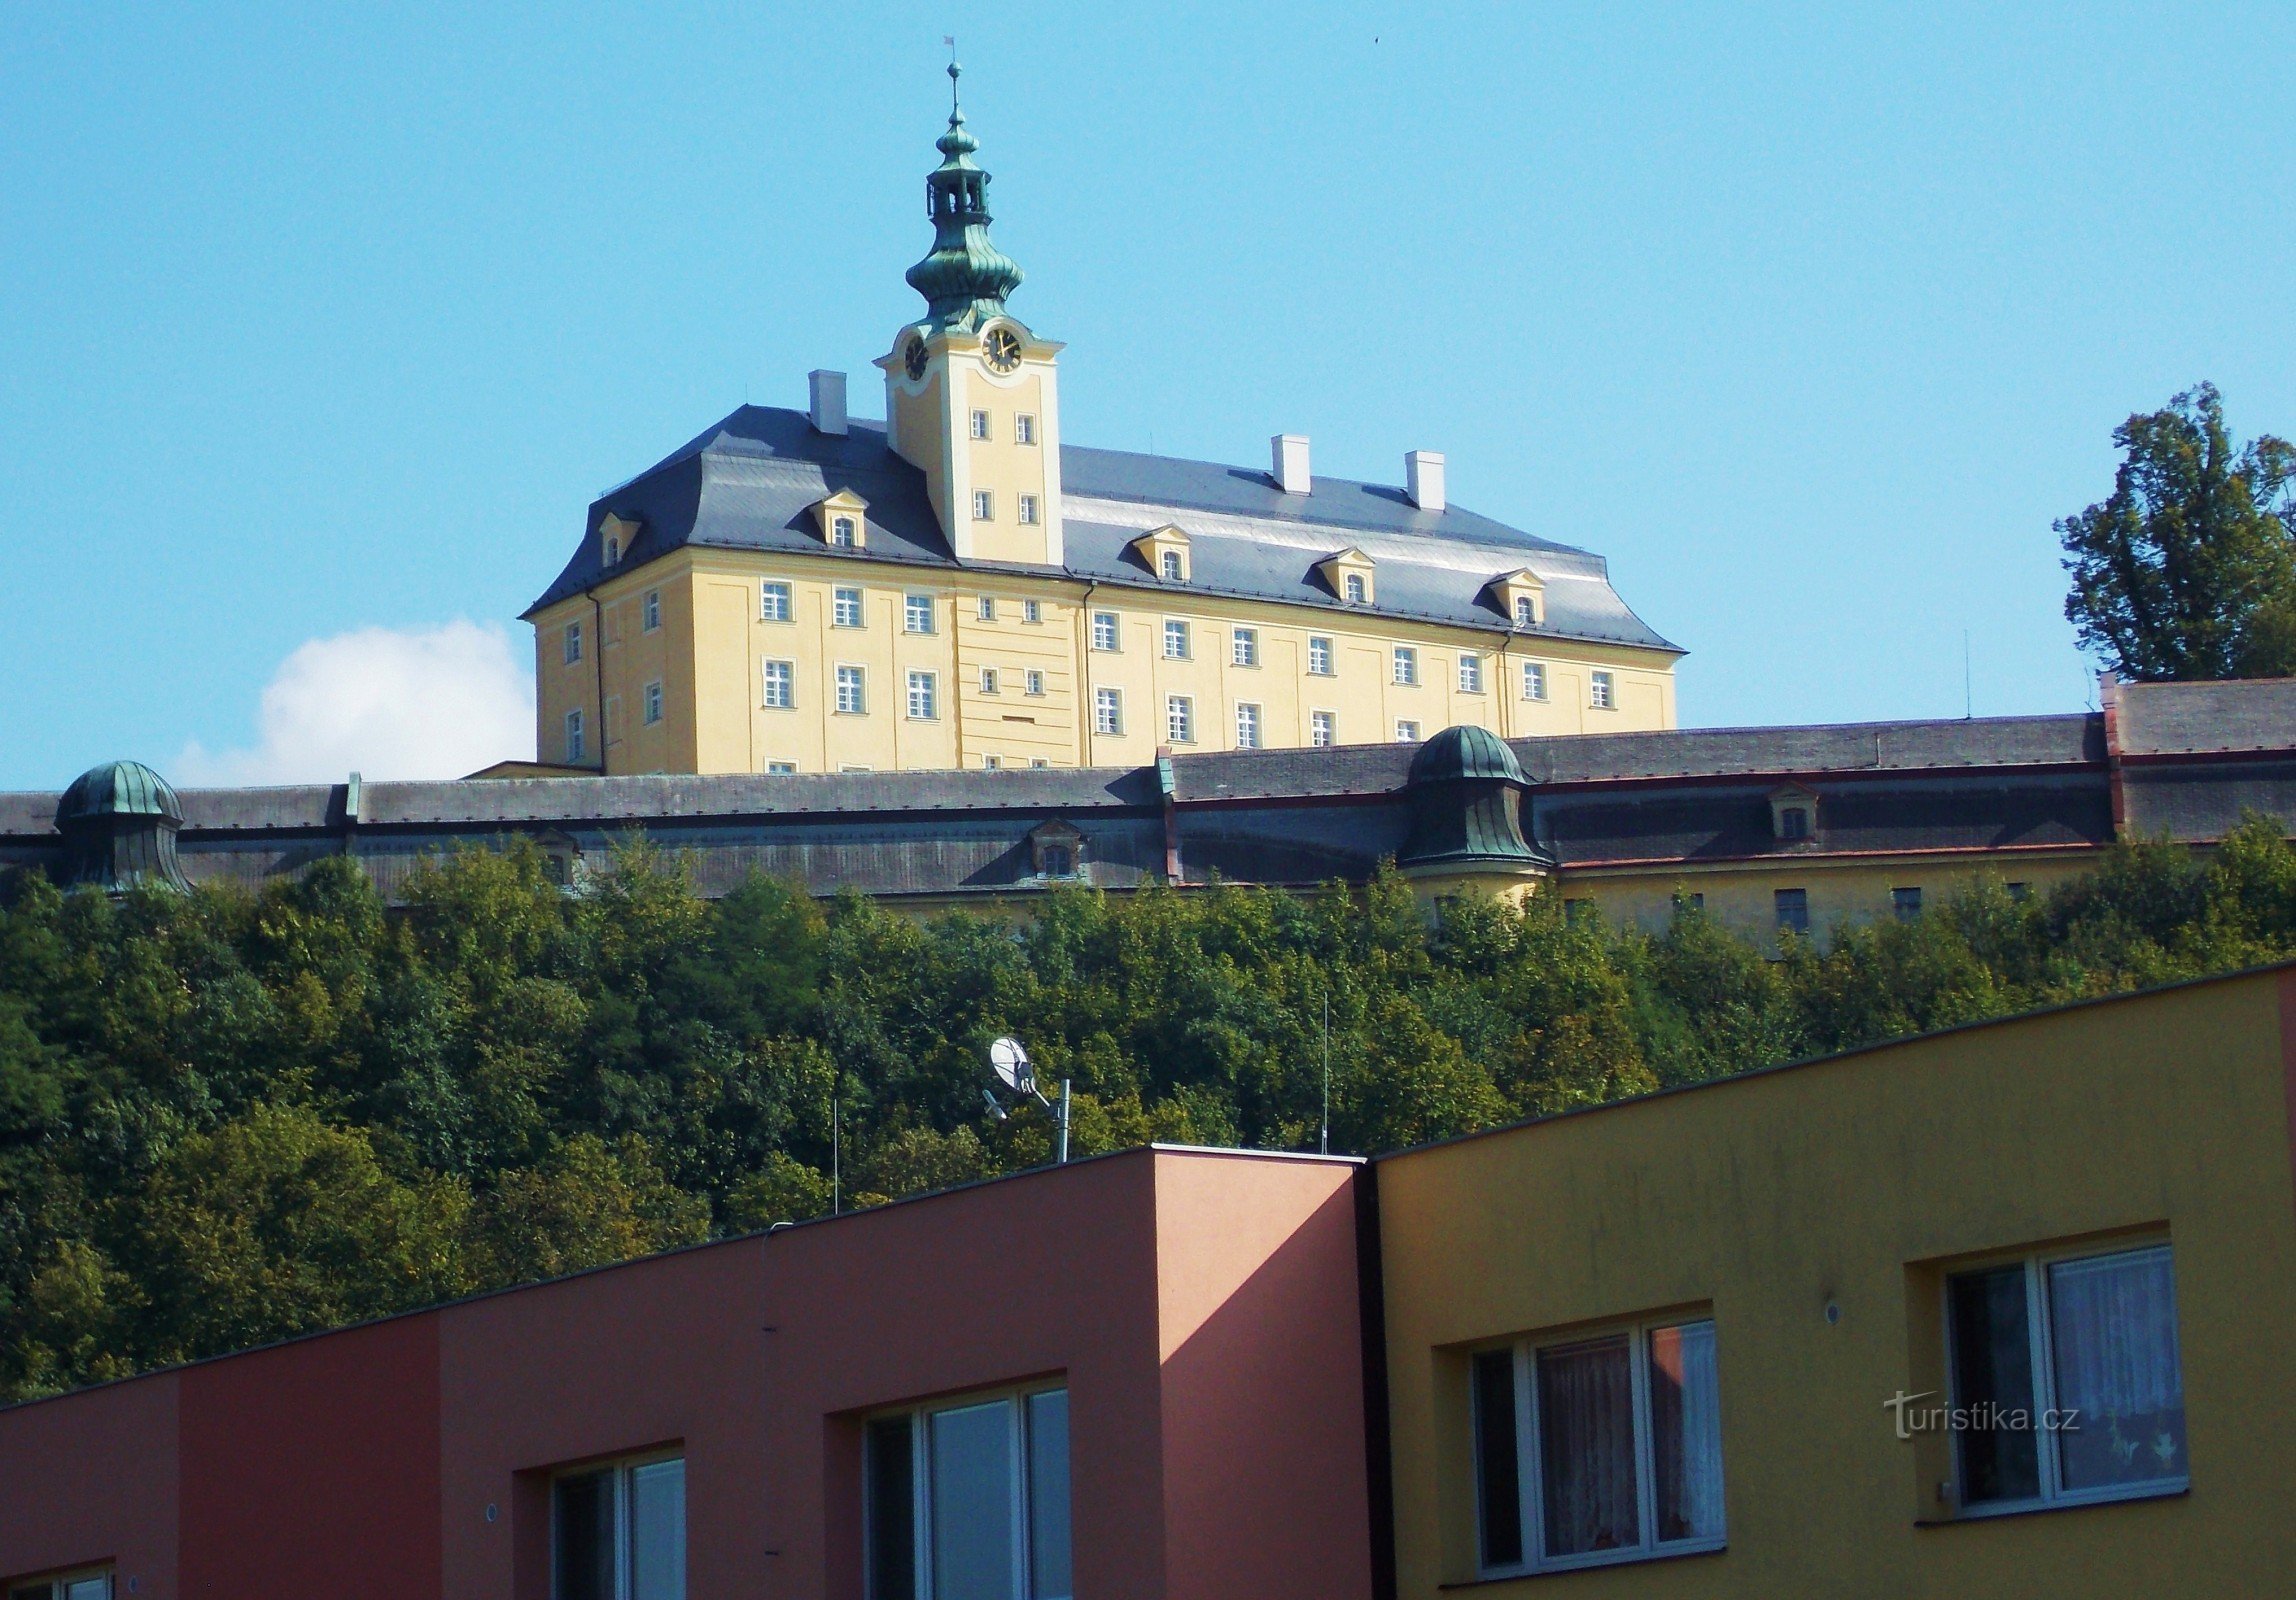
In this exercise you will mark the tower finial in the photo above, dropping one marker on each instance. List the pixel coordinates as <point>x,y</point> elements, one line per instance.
<point>966,278</point>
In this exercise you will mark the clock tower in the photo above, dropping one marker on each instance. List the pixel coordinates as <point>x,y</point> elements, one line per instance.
<point>972,397</point>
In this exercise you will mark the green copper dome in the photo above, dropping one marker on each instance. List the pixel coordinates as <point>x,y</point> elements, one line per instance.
<point>119,789</point>
<point>1465,796</point>
<point>119,823</point>
<point>1466,752</point>
<point>966,278</point>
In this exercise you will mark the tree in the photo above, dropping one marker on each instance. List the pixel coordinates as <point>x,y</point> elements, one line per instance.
<point>2188,570</point>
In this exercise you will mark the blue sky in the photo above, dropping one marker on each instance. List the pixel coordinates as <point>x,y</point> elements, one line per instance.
<point>325,324</point>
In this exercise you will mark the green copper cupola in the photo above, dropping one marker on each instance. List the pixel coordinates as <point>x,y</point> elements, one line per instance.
<point>966,278</point>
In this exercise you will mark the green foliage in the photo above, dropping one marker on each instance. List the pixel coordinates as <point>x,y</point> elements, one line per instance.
<point>2188,569</point>
<point>228,1118</point>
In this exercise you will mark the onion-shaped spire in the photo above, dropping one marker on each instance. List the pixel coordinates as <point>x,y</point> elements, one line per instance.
<point>966,278</point>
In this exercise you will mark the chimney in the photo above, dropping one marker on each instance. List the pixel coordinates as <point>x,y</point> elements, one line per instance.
<point>1291,462</point>
<point>1423,478</point>
<point>827,407</point>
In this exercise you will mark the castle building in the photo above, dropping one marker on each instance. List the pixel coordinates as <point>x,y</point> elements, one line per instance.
<point>958,587</point>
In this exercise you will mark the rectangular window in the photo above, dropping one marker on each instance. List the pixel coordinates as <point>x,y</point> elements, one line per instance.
<point>1175,640</point>
<point>1322,729</point>
<point>970,1502</point>
<point>852,692</point>
<point>619,1533</point>
<point>845,608</point>
<point>1031,611</point>
<point>573,642</point>
<point>1597,1450</point>
<point>1602,694</point>
<point>1023,429</point>
<point>1793,909</point>
<point>924,697</point>
<point>1319,658</point>
<point>72,1586</point>
<point>1470,674</point>
<point>1247,727</point>
<point>2067,1380</point>
<point>774,604</point>
<point>984,506</point>
<point>573,738</point>
<point>1244,648</point>
<point>1407,733</point>
<point>845,533</point>
<point>980,424</point>
<point>917,613</point>
<point>781,769</point>
<point>988,608</point>
<point>654,701</point>
<point>1406,664</point>
<point>1108,711</point>
<point>780,685</point>
<point>1026,506</point>
<point>1038,763</point>
<point>1104,634</point>
<point>1180,719</point>
<point>1905,903</point>
<point>1534,680</point>
<point>992,763</point>
<point>1033,681</point>
<point>652,610</point>
<point>988,680</point>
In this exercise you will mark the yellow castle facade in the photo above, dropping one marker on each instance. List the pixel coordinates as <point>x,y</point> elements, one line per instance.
<point>956,587</point>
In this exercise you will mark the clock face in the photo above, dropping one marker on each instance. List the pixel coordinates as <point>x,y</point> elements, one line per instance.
<point>914,356</point>
<point>1001,349</point>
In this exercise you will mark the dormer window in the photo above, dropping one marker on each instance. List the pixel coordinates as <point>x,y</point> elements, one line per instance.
<point>1172,566</point>
<point>1358,592</point>
<point>1056,849</point>
<point>844,533</point>
<point>843,518</point>
<point>1526,611</point>
<point>1163,551</point>
<point>615,535</point>
<point>613,550</point>
<point>1519,596</point>
<point>1794,822</point>
<point>1347,575</point>
<point>1793,814</point>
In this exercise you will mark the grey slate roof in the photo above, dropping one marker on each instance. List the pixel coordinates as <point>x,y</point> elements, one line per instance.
<point>749,483</point>
<point>2199,718</point>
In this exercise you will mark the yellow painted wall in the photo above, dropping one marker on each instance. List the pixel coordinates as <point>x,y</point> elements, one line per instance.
<point>1852,1180</point>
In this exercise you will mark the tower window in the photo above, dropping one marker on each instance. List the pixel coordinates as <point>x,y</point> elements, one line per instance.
<point>1175,640</point>
<point>1470,674</point>
<point>1247,727</point>
<point>780,685</point>
<point>845,608</point>
<point>844,532</point>
<point>1180,719</point>
<point>1027,509</point>
<point>980,424</point>
<point>1358,592</point>
<point>613,550</point>
<point>984,505</point>
<point>573,642</point>
<point>1108,711</point>
<point>1104,634</point>
<point>1244,649</point>
<point>775,606</point>
<point>1024,429</point>
<point>1602,692</point>
<point>1534,680</point>
<point>852,692</point>
<point>1319,657</point>
<point>573,737</point>
<point>1406,665</point>
<point>917,613</point>
<point>652,610</point>
<point>1174,569</point>
<point>654,701</point>
<point>1322,729</point>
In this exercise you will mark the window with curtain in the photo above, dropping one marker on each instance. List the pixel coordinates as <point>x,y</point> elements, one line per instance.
<point>619,1532</point>
<point>2067,1378</point>
<point>970,1501</point>
<point>1599,1449</point>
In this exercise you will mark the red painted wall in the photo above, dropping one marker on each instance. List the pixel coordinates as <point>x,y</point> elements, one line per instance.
<point>90,1478</point>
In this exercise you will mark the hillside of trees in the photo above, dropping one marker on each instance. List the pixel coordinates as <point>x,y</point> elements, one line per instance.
<point>228,1118</point>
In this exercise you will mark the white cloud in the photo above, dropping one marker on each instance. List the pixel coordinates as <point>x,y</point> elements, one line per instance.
<point>420,703</point>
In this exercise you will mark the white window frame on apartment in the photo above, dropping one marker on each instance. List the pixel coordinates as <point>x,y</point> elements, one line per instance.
<point>848,608</point>
<point>917,613</point>
<point>1244,648</point>
<point>844,533</point>
<point>980,423</point>
<point>781,769</point>
<point>1407,665</point>
<point>852,682</point>
<point>1602,691</point>
<point>1248,721</point>
<point>1180,718</point>
<point>1021,1470</point>
<point>1175,639</point>
<point>1358,591</point>
<point>650,611</point>
<point>652,702</point>
<point>575,744</point>
<point>1534,680</point>
<point>625,1476</point>
<point>1025,509</point>
<point>1319,657</point>
<point>775,604</point>
<point>1108,711</point>
<point>573,643</point>
<point>924,697</point>
<point>1107,633</point>
<point>1406,731</point>
<point>1530,1454</point>
<point>1526,611</point>
<point>1038,763</point>
<point>1032,682</point>
<point>989,680</point>
<point>1322,729</point>
<point>2040,1329</point>
<point>1023,427</point>
<point>1470,672</point>
<point>1032,611</point>
<point>992,763</point>
<point>987,609</point>
<point>778,685</point>
<point>984,505</point>
<point>1172,567</point>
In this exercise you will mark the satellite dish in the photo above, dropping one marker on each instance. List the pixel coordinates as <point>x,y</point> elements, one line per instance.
<point>1011,1063</point>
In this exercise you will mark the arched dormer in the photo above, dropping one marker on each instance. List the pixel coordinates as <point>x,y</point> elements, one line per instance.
<point>1164,551</point>
<point>843,520</point>
<point>1056,850</point>
<point>1520,597</point>
<point>1793,814</point>
<point>1348,574</point>
<point>617,534</point>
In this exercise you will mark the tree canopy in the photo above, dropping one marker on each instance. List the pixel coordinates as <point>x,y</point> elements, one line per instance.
<point>2188,569</point>
<point>226,1118</point>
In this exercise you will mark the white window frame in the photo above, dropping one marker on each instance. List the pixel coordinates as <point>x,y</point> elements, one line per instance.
<point>1025,509</point>
<point>1321,658</point>
<point>2039,1331</point>
<point>1470,672</point>
<point>917,613</point>
<point>1032,682</point>
<point>921,1507</point>
<point>1406,731</point>
<point>622,1471</point>
<point>576,746</point>
<point>1406,658</point>
<point>844,533</point>
<point>1244,648</point>
<point>1108,712</point>
<point>1526,611</point>
<point>848,607</point>
<point>992,763</point>
<point>1322,729</point>
<point>980,423</point>
<point>1172,567</point>
<point>650,702</point>
<point>1358,589</point>
<point>1032,611</point>
<point>1176,632</point>
<point>924,697</point>
<point>1250,726</point>
<point>1024,427</point>
<point>781,769</point>
<point>1180,718</point>
<point>1534,680</point>
<point>989,681</point>
<point>1038,763</point>
<point>1529,1455</point>
<point>650,611</point>
<point>775,603</point>
<point>785,680</point>
<point>573,644</point>
<point>984,505</point>
<point>1602,691</point>
<point>1107,632</point>
<point>986,610</point>
<point>851,675</point>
